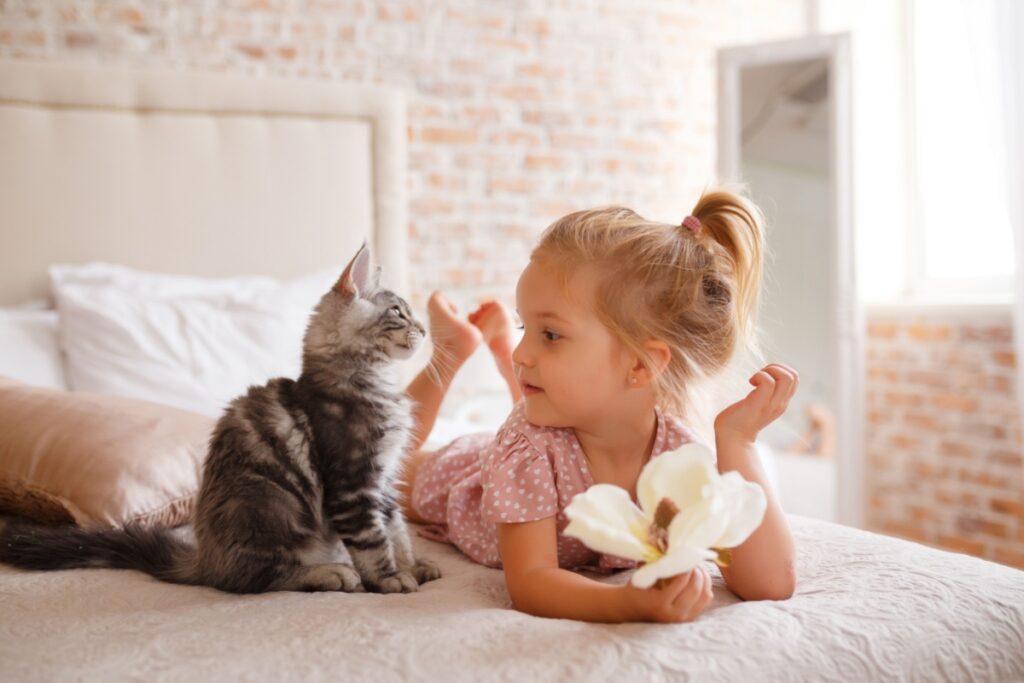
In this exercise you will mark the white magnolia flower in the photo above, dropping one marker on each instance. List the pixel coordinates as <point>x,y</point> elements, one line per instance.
<point>688,513</point>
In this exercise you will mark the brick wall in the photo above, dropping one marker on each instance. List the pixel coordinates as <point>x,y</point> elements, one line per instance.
<point>518,111</point>
<point>944,450</point>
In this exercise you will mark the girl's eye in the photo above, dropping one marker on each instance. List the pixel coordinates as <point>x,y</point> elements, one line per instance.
<point>551,336</point>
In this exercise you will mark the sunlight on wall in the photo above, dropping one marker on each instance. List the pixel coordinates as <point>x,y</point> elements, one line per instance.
<point>957,102</point>
<point>938,95</point>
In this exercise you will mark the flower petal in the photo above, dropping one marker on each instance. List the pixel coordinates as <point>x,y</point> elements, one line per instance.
<point>700,524</point>
<point>610,505</point>
<point>678,561</point>
<point>746,503</point>
<point>606,520</point>
<point>604,539</point>
<point>679,475</point>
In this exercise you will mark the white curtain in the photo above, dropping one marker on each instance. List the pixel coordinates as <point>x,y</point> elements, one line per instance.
<point>1009,18</point>
<point>995,32</point>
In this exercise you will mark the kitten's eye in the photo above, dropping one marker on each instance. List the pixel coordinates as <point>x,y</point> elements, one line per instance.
<point>395,310</point>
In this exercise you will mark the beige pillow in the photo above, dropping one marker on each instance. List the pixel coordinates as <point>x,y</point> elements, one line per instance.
<point>97,460</point>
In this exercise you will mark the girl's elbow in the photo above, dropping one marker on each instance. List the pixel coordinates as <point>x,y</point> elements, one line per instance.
<point>780,587</point>
<point>782,592</point>
<point>519,600</point>
<point>525,607</point>
<point>521,596</point>
<point>528,604</point>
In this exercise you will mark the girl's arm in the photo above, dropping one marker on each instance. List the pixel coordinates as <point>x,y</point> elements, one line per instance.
<point>764,566</point>
<point>537,585</point>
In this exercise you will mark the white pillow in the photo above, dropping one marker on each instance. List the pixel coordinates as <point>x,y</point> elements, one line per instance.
<point>29,346</point>
<point>194,343</point>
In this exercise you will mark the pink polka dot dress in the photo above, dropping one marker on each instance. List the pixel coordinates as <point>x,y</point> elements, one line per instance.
<point>522,474</point>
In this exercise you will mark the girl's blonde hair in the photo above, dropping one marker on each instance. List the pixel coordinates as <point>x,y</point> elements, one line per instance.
<point>695,290</point>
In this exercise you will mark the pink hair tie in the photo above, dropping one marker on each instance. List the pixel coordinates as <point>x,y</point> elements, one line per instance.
<point>693,223</point>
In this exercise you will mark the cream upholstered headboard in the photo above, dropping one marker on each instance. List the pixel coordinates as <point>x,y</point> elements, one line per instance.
<point>197,174</point>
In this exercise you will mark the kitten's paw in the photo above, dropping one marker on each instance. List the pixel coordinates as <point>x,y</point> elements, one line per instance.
<point>350,580</point>
<point>425,570</point>
<point>402,582</point>
<point>333,577</point>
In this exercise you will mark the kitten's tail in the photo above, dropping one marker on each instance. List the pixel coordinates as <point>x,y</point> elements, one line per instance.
<point>156,551</point>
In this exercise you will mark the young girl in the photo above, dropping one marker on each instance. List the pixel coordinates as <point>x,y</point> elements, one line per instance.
<point>620,315</point>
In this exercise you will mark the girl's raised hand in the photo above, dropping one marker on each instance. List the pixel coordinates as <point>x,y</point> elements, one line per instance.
<point>774,385</point>
<point>681,598</point>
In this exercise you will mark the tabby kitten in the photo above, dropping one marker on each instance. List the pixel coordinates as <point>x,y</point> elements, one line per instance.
<point>293,467</point>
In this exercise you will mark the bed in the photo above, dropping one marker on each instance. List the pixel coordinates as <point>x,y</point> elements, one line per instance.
<point>196,175</point>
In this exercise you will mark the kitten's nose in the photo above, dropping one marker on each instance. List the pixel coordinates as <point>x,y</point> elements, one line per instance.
<point>415,336</point>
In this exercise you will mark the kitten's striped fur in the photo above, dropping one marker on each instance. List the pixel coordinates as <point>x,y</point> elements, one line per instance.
<point>294,467</point>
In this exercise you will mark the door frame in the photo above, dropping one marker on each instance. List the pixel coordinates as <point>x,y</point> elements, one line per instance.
<point>848,321</point>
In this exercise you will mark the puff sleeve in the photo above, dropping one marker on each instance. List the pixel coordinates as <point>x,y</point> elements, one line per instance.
<point>518,481</point>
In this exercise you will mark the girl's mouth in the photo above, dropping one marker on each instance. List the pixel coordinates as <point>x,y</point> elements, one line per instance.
<point>529,389</point>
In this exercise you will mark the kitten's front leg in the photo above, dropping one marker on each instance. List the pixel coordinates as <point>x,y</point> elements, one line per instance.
<point>374,558</point>
<point>423,570</point>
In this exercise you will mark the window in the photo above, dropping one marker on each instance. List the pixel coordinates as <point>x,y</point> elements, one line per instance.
<point>960,241</point>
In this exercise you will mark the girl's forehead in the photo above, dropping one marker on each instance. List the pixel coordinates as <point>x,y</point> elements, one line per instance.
<point>567,292</point>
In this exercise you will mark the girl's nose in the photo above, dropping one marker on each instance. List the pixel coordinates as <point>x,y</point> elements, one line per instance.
<point>520,355</point>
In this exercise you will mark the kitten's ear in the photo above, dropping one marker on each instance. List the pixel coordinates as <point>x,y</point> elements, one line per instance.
<point>355,279</point>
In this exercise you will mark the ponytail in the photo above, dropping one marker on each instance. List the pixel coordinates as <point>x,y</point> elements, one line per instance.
<point>736,225</point>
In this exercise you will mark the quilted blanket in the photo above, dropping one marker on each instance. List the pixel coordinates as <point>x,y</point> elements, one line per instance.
<point>867,608</point>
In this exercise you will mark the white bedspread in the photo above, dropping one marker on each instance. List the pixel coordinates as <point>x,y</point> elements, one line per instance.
<point>867,608</point>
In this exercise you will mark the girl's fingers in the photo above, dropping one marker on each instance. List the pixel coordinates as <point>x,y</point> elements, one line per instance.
<point>705,597</point>
<point>676,586</point>
<point>705,600</point>
<point>793,374</point>
<point>796,381</point>
<point>785,385</point>
<point>764,387</point>
<point>783,379</point>
<point>697,606</point>
<point>683,603</point>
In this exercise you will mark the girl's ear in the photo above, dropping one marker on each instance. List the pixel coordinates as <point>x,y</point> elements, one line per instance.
<point>643,373</point>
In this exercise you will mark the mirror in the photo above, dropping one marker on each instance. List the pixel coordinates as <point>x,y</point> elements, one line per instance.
<point>783,133</point>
